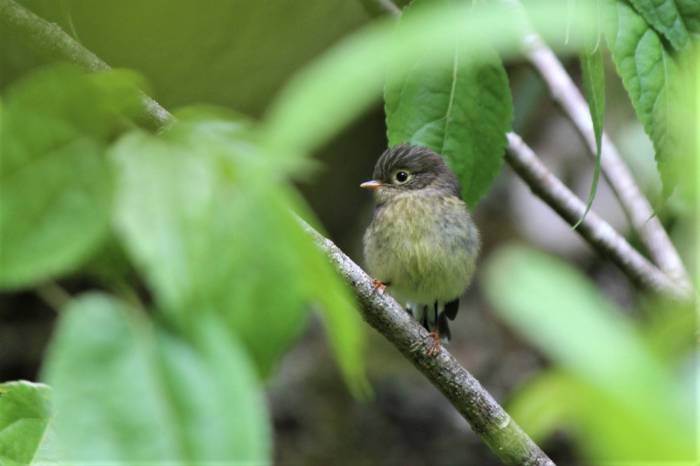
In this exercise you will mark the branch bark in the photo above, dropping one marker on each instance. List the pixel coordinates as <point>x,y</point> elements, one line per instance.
<point>486,417</point>
<point>596,231</point>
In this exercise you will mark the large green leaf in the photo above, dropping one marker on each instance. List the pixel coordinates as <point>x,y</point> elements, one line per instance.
<point>647,70</point>
<point>346,80</point>
<point>24,418</point>
<point>126,392</point>
<point>593,72</point>
<point>563,314</point>
<point>460,109</point>
<point>55,185</point>
<point>207,217</point>
<point>665,17</point>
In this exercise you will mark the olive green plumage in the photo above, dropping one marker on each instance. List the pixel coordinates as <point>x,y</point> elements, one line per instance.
<point>422,242</point>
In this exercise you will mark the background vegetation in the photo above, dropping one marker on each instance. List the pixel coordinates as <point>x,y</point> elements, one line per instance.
<point>161,301</point>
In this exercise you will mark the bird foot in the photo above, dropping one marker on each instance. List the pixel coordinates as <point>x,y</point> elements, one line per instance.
<point>379,286</point>
<point>435,345</point>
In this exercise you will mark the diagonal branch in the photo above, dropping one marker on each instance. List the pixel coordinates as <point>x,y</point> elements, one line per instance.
<point>486,417</point>
<point>635,204</point>
<point>596,231</point>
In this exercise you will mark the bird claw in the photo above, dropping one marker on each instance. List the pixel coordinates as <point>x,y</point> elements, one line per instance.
<point>378,286</point>
<point>435,345</point>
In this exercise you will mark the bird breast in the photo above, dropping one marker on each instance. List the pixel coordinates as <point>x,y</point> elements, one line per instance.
<point>424,245</point>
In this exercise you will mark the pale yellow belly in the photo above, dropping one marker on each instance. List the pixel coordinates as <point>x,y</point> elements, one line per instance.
<point>425,248</point>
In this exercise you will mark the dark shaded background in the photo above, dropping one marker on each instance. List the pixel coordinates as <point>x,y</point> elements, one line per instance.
<point>237,54</point>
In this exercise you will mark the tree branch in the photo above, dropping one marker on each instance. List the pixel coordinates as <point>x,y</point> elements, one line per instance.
<point>486,417</point>
<point>635,204</point>
<point>596,231</point>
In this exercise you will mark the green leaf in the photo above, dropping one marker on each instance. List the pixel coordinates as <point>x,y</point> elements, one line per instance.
<point>24,418</point>
<point>460,109</point>
<point>346,80</point>
<point>544,404</point>
<point>207,218</point>
<point>563,314</point>
<point>126,392</point>
<point>664,16</point>
<point>646,69</point>
<point>689,11</point>
<point>56,187</point>
<point>605,430</point>
<point>593,72</point>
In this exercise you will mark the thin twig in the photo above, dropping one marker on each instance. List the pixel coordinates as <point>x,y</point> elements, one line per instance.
<point>596,231</point>
<point>486,417</point>
<point>53,295</point>
<point>635,204</point>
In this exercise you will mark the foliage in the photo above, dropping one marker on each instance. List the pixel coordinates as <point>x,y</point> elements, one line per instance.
<point>55,129</point>
<point>206,218</point>
<point>24,417</point>
<point>460,109</point>
<point>134,393</point>
<point>206,214</point>
<point>593,77</point>
<point>646,69</point>
<point>605,370</point>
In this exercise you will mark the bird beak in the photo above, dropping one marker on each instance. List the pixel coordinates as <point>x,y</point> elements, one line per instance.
<point>371,184</point>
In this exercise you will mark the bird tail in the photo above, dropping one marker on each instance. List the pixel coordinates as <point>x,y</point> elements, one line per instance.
<point>444,327</point>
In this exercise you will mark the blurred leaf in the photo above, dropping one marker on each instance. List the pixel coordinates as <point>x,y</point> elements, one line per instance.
<point>461,109</point>
<point>593,72</point>
<point>125,392</point>
<point>24,417</point>
<point>544,404</point>
<point>646,70</point>
<point>207,218</point>
<point>346,80</point>
<point>671,329</point>
<point>56,187</point>
<point>564,316</point>
<point>690,12</point>
<point>678,170</point>
<point>195,54</point>
<point>606,430</point>
<point>664,16</point>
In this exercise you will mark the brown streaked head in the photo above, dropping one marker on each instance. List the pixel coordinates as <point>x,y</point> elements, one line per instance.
<point>406,167</point>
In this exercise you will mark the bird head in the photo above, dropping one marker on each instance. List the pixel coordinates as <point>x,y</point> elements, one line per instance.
<point>406,168</point>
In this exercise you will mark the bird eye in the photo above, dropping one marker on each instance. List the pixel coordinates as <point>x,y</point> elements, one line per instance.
<point>401,177</point>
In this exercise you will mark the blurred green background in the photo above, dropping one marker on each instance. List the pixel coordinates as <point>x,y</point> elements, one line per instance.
<point>237,54</point>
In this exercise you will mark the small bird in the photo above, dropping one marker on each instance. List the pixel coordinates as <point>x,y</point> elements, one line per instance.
<point>422,243</point>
